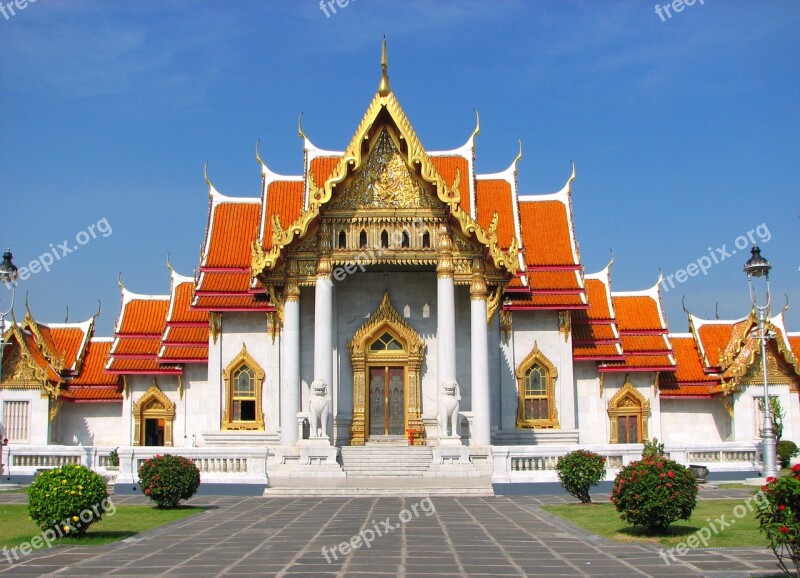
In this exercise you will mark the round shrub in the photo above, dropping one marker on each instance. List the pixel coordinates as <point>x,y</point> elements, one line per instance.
<point>778,518</point>
<point>578,471</point>
<point>67,500</point>
<point>169,479</point>
<point>654,492</point>
<point>787,449</point>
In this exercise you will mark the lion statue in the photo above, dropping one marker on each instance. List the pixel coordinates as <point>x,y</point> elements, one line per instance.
<point>448,408</point>
<point>319,408</point>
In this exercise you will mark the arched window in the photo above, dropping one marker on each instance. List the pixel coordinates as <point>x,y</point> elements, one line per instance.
<point>536,378</point>
<point>153,415</point>
<point>385,239</point>
<point>342,240</point>
<point>406,242</point>
<point>628,411</point>
<point>426,240</point>
<point>243,380</point>
<point>362,240</point>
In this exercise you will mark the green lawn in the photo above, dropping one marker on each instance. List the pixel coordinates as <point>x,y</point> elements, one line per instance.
<point>603,519</point>
<point>16,526</point>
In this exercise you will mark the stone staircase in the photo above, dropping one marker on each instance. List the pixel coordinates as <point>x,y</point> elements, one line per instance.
<point>382,460</point>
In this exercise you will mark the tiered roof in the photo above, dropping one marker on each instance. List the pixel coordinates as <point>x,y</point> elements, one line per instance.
<point>185,337</point>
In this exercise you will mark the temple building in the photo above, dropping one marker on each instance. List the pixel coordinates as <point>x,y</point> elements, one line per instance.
<point>392,301</point>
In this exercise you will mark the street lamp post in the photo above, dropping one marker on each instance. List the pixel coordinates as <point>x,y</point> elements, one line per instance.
<point>8,276</point>
<point>756,267</point>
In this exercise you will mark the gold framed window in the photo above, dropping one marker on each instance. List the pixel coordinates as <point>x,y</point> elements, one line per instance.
<point>243,399</point>
<point>536,384</point>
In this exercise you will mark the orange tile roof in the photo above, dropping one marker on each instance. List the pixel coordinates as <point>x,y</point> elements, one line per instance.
<point>146,366</point>
<point>231,303</point>
<point>644,343</point>
<point>447,167</point>
<point>94,361</point>
<point>143,316</point>
<point>198,334</point>
<point>554,280</point>
<point>180,308</point>
<point>593,350</point>
<point>93,394</point>
<point>234,226</point>
<point>172,354</point>
<point>494,195</point>
<point>136,346</point>
<point>714,338</point>
<point>635,313</point>
<point>285,199</point>
<point>641,362</point>
<point>689,371</point>
<point>68,343</point>
<point>597,294</point>
<point>546,234</point>
<point>794,344</point>
<point>549,300</point>
<point>592,332</point>
<point>228,282</point>
<point>320,169</point>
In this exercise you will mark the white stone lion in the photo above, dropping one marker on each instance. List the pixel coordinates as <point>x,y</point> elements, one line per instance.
<point>319,408</point>
<point>449,398</point>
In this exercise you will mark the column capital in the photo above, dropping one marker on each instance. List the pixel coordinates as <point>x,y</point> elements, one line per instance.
<point>291,289</point>
<point>444,251</point>
<point>477,287</point>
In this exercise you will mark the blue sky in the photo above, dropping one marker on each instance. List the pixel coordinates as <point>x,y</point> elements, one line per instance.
<point>684,131</point>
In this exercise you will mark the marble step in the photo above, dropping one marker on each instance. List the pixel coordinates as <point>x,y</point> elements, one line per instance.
<point>369,491</point>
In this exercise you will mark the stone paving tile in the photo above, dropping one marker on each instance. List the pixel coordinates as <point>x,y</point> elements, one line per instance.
<point>502,536</point>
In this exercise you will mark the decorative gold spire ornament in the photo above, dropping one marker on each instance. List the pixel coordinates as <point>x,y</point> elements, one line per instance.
<point>383,88</point>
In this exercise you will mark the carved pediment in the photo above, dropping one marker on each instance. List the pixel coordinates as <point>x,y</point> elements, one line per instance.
<point>384,181</point>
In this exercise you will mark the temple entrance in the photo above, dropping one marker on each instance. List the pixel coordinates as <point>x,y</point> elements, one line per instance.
<point>387,407</point>
<point>386,354</point>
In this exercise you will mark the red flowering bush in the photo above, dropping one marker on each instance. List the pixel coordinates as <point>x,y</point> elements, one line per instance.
<point>779,518</point>
<point>169,479</point>
<point>654,492</point>
<point>578,471</point>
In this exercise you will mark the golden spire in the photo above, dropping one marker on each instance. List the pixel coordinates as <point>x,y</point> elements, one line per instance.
<point>383,88</point>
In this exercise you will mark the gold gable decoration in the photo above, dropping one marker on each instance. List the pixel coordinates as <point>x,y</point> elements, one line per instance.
<point>384,109</point>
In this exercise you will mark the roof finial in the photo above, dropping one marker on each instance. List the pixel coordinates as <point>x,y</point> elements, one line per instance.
<point>685,309</point>
<point>99,308</point>
<point>611,262</point>
<point>169,265</point>
<point>477,130</point>
<point>66,317</point>
<point>119,281</point>
<point>258,155</point>
<point>300,132</point>
<point>383,88</point>
<point>519,156</point>
<point>716,310</point>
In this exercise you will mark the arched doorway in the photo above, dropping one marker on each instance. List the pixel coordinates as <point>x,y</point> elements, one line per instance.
<point>628,411</point>
<point>153,415</point>
<point>386,354</point>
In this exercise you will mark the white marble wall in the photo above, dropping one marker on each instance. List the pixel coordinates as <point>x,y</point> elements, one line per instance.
<point>593,422</point>
<point>694,420</point>
<point>540,328</point>
<point>744,412</point>
<point>38,413</point>
<point>89,424</point>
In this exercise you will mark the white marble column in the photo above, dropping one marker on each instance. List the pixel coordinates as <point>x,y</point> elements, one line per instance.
<point>445,311</point>
<point>290,364</point>
<point>479,370</point>
<point>323,326</point>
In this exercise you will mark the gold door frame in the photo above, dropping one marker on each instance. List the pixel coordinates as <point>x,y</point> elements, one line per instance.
<point>154,404</point>
<point>386,318</point>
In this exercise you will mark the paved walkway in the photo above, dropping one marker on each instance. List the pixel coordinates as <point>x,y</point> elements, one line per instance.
<point>464,536</point>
